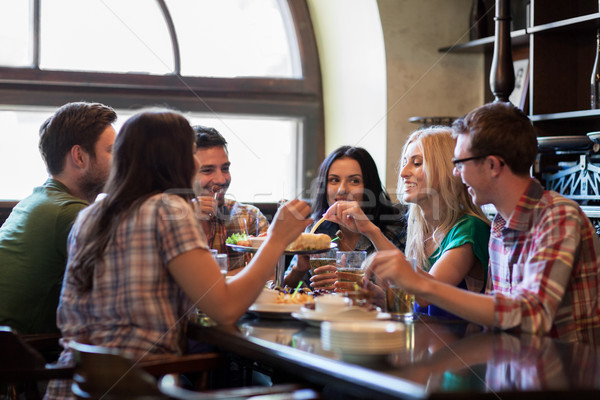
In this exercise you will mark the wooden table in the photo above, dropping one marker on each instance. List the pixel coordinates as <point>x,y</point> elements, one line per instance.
<point>441,360</point>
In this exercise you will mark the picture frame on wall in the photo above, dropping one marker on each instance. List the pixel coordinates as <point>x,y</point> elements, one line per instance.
<point>519,93</point>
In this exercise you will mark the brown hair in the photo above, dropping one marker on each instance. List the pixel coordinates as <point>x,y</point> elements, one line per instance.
<point>152,154</point>
<point>73,124</point>
<point>503,130</point>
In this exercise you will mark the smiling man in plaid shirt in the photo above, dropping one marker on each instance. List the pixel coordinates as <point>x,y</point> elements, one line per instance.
<point>221,217</point>
<point>544,253</point>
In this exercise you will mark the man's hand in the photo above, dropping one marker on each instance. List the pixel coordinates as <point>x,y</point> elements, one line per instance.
<point>205,207</point>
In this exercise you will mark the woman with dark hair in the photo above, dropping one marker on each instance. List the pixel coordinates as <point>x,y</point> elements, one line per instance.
<point>138,259</point>
<point>348,174</point>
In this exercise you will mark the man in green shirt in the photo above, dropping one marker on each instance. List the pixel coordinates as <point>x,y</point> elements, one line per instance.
<point>76,145</point>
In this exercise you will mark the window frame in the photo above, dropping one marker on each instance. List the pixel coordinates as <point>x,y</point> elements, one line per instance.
<point>287,97</point>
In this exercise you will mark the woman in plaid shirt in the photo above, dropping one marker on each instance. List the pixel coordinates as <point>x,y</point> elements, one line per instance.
<point>139,260</point>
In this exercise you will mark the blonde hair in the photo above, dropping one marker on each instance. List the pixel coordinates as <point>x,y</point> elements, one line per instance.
<point>453,201</point>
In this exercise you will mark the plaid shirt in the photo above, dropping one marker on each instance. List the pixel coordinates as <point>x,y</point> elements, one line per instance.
<point>233,217</point>
<point>134,305</point>
<point>525,362</point>
<point>544,272</point>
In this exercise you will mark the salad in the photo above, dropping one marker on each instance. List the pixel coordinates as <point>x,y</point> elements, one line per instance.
<point>241,239</point>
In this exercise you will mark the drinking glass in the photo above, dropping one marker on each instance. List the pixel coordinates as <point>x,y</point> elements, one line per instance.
<point>349,266</point>
<point>321,259</point>
<point>400,304</point>
<point>221,259</point>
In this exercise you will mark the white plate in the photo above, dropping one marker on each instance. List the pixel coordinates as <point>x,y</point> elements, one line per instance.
<point>581,142</point>
<point>247,249</point>
<point>275,308</point>
<point>352,314</point>
<point>594,136</point>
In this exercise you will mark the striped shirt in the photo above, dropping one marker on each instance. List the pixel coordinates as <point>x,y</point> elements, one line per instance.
<point>544,268</point>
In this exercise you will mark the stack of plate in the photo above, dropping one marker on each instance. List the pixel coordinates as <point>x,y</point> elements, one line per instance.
<point>363,338</point>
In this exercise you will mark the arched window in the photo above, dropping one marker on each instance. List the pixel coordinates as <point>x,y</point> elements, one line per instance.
<point>248,68</point>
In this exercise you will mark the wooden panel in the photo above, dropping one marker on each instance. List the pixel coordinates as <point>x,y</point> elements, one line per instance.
<point>549,11</point>
<point>559,77</point>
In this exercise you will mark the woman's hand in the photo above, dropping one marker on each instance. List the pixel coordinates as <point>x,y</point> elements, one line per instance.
<point>324,277</point>
<point>290,220</point>
<point>349,215</point>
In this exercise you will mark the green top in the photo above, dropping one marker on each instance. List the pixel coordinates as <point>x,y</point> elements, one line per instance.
<point>468,229</point>
<point>33,257</point>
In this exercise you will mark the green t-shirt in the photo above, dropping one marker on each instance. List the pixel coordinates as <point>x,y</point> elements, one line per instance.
<point>33,257</point>
<point>468,229</point>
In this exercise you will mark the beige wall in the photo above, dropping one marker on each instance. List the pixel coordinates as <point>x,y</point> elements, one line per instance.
<point>422,81</point>
<point>352,55</point>
<point>419,80</point>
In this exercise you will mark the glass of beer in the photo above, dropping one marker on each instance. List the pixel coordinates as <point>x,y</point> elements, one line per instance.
<point>400,304</point>
<point>321,259</point>
<point>349,267</point>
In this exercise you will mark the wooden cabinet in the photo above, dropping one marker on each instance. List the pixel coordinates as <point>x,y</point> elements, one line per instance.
<point>560,43</point>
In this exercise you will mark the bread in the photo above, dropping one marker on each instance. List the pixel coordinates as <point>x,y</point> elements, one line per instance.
<point>310,241</point>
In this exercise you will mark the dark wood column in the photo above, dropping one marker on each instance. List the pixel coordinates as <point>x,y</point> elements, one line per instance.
<point>502,74</point>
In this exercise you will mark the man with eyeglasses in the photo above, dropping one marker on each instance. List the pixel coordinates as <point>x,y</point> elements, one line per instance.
<point>544,275</point>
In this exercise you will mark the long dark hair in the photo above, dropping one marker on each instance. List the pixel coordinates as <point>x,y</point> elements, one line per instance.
<point>377,204</point>
<point>152,154</point>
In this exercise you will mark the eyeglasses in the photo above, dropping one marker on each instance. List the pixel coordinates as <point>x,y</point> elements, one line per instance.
<point>458,163</point>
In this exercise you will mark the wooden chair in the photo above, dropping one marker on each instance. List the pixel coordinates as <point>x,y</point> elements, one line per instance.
<point>46,343</point>
<point>170,386</point>
<point>22,366</point>
<point>108,374</point>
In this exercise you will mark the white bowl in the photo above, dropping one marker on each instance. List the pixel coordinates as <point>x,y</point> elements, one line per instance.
<point>331,303</point>
<point>256,242</point>
<point>267,296</point>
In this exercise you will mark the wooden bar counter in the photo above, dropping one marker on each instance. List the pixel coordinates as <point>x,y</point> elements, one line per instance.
<point>442,359</point>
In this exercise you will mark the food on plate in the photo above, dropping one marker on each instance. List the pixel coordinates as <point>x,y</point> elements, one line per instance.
<point>239,239</point>
<point>310,241</point>
<point>291,298</point>
<point>242,239</point>
<point>304,242</point>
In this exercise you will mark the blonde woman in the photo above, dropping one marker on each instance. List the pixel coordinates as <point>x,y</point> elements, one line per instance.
<point>447,234</point>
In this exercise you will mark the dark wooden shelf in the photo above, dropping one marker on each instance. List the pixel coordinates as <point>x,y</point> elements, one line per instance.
<point>561,50</point>
<point>521,37</point>
<point>583,114</point>
<point>584,22</point>
<point>518,38</point>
